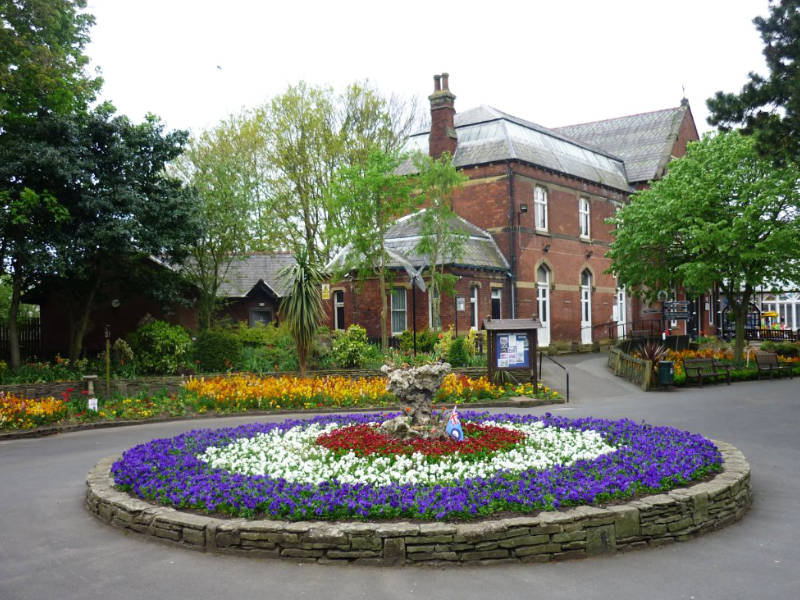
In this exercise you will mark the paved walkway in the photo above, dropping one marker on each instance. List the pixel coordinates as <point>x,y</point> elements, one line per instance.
<point>51,548</point>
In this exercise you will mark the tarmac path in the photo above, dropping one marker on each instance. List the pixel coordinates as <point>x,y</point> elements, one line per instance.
<point>51,548</point>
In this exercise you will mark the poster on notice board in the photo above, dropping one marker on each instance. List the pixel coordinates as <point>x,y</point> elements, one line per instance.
<point>512,351</point>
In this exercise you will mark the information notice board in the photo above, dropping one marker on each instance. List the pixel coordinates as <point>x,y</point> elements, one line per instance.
<point>512,351</point>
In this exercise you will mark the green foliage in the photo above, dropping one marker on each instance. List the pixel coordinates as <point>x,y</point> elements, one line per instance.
<point>216,351</point>
<point>220,169</point>
<point>259,335</point>
<point>721,216</point>
<point>302,309</point>
<point>42,60</point>
<point>426,340</point>
<point>457,355</point>
<point>160,347</point>
<point>769,107</point>
<point>442,235</point>
<point>368,197</point>
<point>309,133</point>
<point>351,348</point>
<point>788,349</point>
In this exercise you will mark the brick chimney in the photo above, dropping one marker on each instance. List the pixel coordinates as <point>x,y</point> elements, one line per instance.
<point>443,128</point>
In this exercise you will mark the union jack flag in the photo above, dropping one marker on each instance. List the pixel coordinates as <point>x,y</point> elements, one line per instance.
<point>454,426</point>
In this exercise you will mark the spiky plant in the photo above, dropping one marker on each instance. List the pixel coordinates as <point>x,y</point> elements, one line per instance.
<point>654,352</point>
<point>302,310</point>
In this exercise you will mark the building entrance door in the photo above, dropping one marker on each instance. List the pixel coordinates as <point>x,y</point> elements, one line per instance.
<point>586,307</point>
<point>543,304</point>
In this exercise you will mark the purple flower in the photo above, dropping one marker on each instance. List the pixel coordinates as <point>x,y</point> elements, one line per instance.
<point>649,459</point>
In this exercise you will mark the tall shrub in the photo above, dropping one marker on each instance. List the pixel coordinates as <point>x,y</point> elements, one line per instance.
<point>302,310</point>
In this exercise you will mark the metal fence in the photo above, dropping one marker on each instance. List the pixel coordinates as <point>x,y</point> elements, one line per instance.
<point>771,335</point>
<point>30,340</point>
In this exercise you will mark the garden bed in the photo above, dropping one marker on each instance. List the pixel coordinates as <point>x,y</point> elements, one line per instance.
<point>389,521</point>
<point>240,394</point>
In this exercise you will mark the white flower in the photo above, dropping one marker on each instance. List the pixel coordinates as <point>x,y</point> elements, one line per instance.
<point>295,456</point>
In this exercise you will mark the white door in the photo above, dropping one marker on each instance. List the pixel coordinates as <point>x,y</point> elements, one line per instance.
<point>586,307</point>
<point>621,313</point>
<point>543,302</point>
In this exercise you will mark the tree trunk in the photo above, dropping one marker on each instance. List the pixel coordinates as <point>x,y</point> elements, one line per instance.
<point>79,326</point>
<point>384,306</point>
<point>740,314</point>
<point>13,313</point>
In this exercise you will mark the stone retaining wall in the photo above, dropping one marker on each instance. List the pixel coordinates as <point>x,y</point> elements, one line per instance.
<point>579,532</point>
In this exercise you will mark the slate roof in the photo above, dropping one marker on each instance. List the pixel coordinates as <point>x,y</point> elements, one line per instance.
<point>245,272</point>
<point>486,135</point>
<point>479,250</point>
<point>643,141</point>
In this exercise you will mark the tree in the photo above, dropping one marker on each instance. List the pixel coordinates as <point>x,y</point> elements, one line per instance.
<point>368,198</point>
<point>43,86</point>
<point>221,168</point>
<point>309,134</point>
<point>722,215</point>
<point>42,60</point>
<point>769,108</point>
<point>123,207</point>
<point>302,309</point>
<point>441,239</point>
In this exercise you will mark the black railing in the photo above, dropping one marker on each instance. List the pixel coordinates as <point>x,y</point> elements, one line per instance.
<point>554,361</point>
<point>30,340</point>
<point>771,335</point>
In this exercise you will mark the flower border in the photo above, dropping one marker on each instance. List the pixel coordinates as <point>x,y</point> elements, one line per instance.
<point>651,459</point>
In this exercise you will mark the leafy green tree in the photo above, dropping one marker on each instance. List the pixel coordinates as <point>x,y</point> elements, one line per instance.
<point>769,107</point>
<point>722,215</point>
<point>123,207</point>
<point>441,239</point>
<point>368,198</point>
<point>42,61</point>
<point>42,85</point>
<point>302,310</point>
<point>220,166</point>
<point>310,133</point>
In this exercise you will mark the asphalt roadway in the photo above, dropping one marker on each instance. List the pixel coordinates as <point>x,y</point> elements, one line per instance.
<point>50,547</point>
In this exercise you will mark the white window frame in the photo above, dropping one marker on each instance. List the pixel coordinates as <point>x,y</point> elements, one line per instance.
<point>404,309</point>
<point>584,217</point>
<point>473,303</point>
<point>497,294</point>
<point>431,324</point>
<point>336,306</point>
<point>540,207</point>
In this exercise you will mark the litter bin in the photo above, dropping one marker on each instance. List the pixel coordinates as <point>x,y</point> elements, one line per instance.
<point>666,372</point>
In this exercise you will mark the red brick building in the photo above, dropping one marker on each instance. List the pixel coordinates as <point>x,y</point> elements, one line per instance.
<point>543,196</point>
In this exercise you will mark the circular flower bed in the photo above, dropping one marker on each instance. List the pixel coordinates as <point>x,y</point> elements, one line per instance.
<point>300,469</point>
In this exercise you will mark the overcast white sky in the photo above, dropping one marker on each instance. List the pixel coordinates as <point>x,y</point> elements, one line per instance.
<point>554,62</point>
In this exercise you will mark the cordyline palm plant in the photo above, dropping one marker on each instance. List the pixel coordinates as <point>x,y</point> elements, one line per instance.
<point>654,352</point>
<point>302,310</point>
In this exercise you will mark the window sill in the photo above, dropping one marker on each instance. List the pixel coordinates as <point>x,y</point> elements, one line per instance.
<point>543,232</point>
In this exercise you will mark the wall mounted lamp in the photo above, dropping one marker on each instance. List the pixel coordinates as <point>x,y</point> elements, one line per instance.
<point>523,208</point>
<point>546,248</point>
<point>589,254</point>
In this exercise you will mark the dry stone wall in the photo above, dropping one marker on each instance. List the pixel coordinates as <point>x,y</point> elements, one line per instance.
<point>579,532</point>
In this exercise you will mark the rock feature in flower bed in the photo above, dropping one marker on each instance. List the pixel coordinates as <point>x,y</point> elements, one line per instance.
<point>674,516</point>
<point>415,388</point>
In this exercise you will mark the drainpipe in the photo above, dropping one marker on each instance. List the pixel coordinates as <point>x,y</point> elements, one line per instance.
<point>511,211</point>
